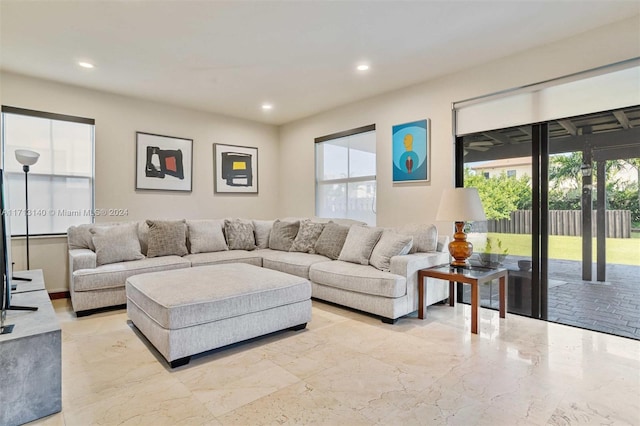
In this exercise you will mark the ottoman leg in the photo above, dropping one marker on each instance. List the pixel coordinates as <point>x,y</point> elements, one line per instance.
<point>180,362</point>
<point>299,327</point>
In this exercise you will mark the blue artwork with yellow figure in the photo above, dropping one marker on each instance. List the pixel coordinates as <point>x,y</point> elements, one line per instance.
<point>410,153</point>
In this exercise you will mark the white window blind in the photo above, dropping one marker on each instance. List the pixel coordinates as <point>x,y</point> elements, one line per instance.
<point>61,182</point>
<point>346,175</point>
<point>603,89</point>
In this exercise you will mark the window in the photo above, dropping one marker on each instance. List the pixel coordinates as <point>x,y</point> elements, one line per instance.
<point>486,175</point>
<point>61,183</point>
<point>346,175</point>
<point>511,173</point>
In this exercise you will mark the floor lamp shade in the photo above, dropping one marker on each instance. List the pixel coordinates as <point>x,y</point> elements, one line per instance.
<point>460,205</point>
<point>27,158</point>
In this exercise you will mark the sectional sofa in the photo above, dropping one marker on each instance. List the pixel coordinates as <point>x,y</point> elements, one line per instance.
<point>371,269</point>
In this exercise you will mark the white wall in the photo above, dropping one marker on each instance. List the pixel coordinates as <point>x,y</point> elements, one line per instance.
<point>117,120</point>
<point>418,202</point>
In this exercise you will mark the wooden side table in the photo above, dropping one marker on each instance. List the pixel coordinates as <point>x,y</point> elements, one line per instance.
<point>473,276</point>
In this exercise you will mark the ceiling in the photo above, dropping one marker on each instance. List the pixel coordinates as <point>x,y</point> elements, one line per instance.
<point>229,57</point>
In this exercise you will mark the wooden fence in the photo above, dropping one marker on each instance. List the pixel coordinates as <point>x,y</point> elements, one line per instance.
<point>565,222</point>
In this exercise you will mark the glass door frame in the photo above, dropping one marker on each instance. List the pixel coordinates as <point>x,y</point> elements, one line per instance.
<point>540,215</point>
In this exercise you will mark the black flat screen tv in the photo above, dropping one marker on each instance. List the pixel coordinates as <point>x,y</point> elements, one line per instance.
<point>5,260</point>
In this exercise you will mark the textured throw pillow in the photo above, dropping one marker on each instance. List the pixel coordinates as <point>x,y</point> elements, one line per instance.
<point>262,230</point>
<point>116,243</point>
<point>205,236</point>
<point>359,244</point>
<point>425,237</point>
<point>239,234</point>
<point>307,236</point>
<point>390,244</point>
<point>283,234</point>
<point>331,240</point>
<point>167,238</point>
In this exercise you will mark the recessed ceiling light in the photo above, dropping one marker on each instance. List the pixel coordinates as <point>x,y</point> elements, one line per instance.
<point>85,64</point>
<point>267,106</point>
<point>363,67</point>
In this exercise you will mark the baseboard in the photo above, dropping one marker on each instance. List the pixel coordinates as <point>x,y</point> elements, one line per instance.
<point>59,295</point>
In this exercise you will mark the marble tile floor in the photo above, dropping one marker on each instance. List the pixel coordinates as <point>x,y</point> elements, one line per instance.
<point>348,368</point>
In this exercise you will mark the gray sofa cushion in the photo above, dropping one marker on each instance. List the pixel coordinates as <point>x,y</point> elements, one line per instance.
<point>359,244</point>
<point>389,245</point>
<point>294,263</point>
<point>307,236</point>
<point>116,243</point>
<point>167,238</point>
<point>262,230</point>
<point>331,240</point>
<point>114,275</point>
<point>283,234</point>
<point>230,256</point>
<point>358,278</point>
<point>212,293</point>
<point>239,234</point>
<point>425,237</point>
<point>206,236</point>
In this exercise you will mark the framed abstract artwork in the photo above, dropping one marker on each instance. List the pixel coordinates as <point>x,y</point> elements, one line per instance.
<point>163,163</point>
<point>411,146</point>
<point>235,169</point>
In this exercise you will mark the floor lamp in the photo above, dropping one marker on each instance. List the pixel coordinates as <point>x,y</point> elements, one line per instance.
<point>26,158</point>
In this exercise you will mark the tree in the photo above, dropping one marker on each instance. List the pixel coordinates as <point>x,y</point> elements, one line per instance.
<point>500,195</point>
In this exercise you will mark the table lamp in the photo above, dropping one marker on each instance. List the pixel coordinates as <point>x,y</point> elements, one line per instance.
<point>460,205</point>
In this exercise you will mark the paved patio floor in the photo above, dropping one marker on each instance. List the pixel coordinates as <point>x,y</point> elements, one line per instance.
<point>611,307</point>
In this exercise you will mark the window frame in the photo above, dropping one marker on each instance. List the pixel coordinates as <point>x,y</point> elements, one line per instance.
<point>346,181</point>
<point>7,109</point>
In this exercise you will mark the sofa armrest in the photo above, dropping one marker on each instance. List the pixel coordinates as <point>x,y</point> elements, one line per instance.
<point>408,267</point>
<point>82,259</point>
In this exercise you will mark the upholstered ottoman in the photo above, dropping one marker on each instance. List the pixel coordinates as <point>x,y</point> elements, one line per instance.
<point>187,311</point>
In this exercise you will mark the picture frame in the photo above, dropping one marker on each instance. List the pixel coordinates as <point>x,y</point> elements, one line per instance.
<point>411,151</point>
<point>235,169</point>
<point>163,163</point>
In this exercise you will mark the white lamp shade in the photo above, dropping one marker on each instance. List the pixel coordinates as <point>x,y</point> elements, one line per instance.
<point>460,205</point>
<point>27,157</point>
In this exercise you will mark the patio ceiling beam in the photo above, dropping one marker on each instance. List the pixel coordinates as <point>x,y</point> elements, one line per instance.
<point>498,137</point>
<point>622,119</point>
<point>568,126</point>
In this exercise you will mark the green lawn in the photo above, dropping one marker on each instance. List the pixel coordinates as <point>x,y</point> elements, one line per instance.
<point>625,251</point>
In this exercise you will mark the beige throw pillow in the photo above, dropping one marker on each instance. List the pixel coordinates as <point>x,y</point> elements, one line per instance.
<point>283,234</point>
<point>425,237</point>
<point>307,236</point>
<point>359,244</point>
<point>205,236</point>
<point>240,234</point>
<point>167,238</point>
<point>331,240</point>
<point>390,244</point>
<point>262,230</point>
<point>116,243</point>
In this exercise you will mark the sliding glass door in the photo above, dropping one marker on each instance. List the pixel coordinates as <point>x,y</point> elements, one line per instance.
<point>563,204</point>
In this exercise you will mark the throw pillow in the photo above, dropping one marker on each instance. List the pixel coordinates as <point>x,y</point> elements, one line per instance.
<point>359,244</point>
<point>331,240</point>
<point>390,244</point>
<point>262,230</point>
<point>283,234</point>
<point>425,237</point>
<point>205,236</point>
<point>116,243</point>
<point>307,236</point>
<point>167,238</point>
<point>239,234</point>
